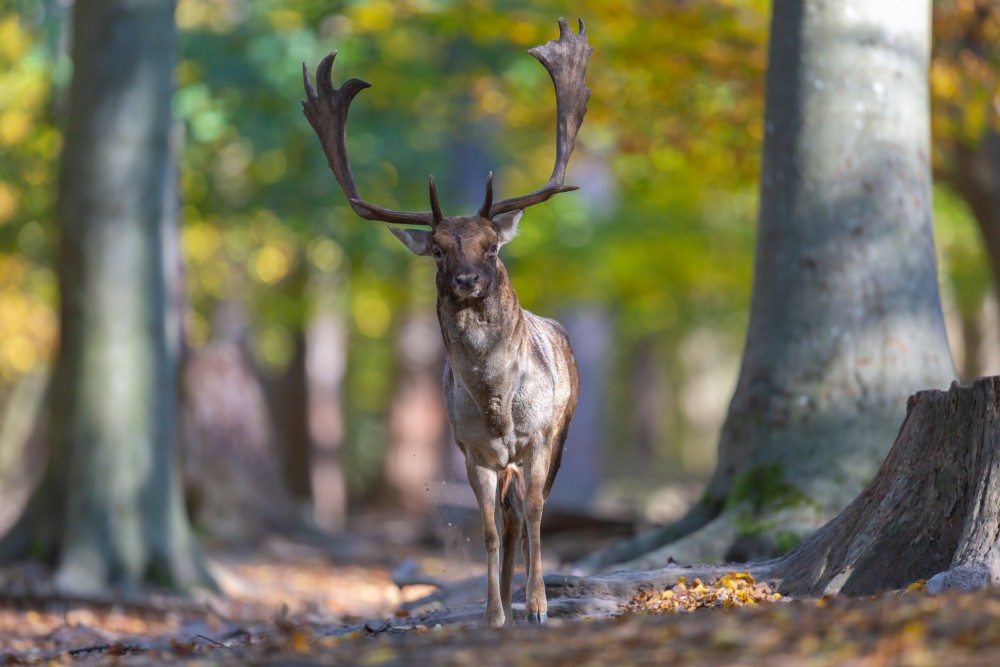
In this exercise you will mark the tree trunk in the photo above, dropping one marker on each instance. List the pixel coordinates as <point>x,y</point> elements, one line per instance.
<point>22,444</point>
<point>933,507</point>
<point>326,363</point>
<point>232,468</point>
<point>109,512</point>
<point>415,453</point>
<point>975,172</point>
<point>845,318</point>
<point>289,396</point>
<point>977,179</point>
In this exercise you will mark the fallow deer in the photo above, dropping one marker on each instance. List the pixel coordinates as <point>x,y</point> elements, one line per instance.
<point>510,379</point>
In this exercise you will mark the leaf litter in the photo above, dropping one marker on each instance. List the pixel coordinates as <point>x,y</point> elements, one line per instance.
<point>735,589</point>
<point>733,620</point>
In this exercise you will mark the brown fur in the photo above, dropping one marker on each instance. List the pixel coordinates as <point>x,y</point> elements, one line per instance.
<point>510,387</point>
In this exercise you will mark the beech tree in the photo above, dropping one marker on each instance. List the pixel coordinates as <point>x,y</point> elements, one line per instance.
<point>109,511</point>
<point>846,319</point>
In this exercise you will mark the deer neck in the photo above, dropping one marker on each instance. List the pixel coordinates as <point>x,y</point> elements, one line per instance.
<point>477,329</point>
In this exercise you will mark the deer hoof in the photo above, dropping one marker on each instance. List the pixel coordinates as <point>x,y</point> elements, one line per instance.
<point>537,617</point>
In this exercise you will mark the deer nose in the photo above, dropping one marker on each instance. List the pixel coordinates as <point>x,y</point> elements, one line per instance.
<point>466,280</point>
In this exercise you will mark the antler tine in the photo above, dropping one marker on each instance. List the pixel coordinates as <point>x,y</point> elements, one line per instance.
<point>484,210</point>
<point>326,111</point>
<point>435,205</point>
<point>565,60</point>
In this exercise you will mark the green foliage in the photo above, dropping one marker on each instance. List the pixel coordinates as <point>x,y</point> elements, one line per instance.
<point>660,236</point>
<point>961,253</point>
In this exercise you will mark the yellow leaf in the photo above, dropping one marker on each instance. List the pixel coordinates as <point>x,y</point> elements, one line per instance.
<point>381,655</point>
<point>269,264</point>
<point>915,629</point>
<point>14,40</point>
<point>14,126</point>
<point>373,16</point>
<point>301,640</point>
<point>9,199</point>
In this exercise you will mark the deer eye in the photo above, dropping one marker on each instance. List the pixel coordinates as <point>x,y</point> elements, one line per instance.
<point>492,252</point>
<point>436,252</point>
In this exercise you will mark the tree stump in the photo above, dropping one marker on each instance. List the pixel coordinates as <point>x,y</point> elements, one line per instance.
<point>932,511</point>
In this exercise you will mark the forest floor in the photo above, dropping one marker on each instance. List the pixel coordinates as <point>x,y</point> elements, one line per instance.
<point>290,604</point>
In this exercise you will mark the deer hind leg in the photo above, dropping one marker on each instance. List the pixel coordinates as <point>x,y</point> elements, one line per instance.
<point>484,484</point>
<point>536,470</point>
<point>526,548</point>
<point>513,522</point>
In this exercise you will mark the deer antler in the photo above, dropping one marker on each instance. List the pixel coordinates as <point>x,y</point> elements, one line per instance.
<point>565,60</point>
<point>327,113</point>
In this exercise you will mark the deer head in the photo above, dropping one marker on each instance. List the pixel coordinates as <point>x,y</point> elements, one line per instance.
<point>464,247</point>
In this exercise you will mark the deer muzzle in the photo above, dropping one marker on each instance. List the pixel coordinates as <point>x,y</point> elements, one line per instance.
<point>467,283</point>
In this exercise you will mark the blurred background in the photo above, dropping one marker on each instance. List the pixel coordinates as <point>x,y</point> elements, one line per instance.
<point>312,362</point>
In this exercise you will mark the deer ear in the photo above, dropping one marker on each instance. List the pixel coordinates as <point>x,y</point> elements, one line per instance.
<point>414,239</point>
<point>506,225</point>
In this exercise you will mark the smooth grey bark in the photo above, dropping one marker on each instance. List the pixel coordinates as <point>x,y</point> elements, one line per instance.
<point>109,512</point>
<point>845,318</point>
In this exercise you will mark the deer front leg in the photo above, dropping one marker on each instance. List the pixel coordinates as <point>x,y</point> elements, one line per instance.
<point>484,485</point>
<point>537,466</point>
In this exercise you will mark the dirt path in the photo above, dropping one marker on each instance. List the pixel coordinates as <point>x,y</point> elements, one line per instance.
<point>296,606</point>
